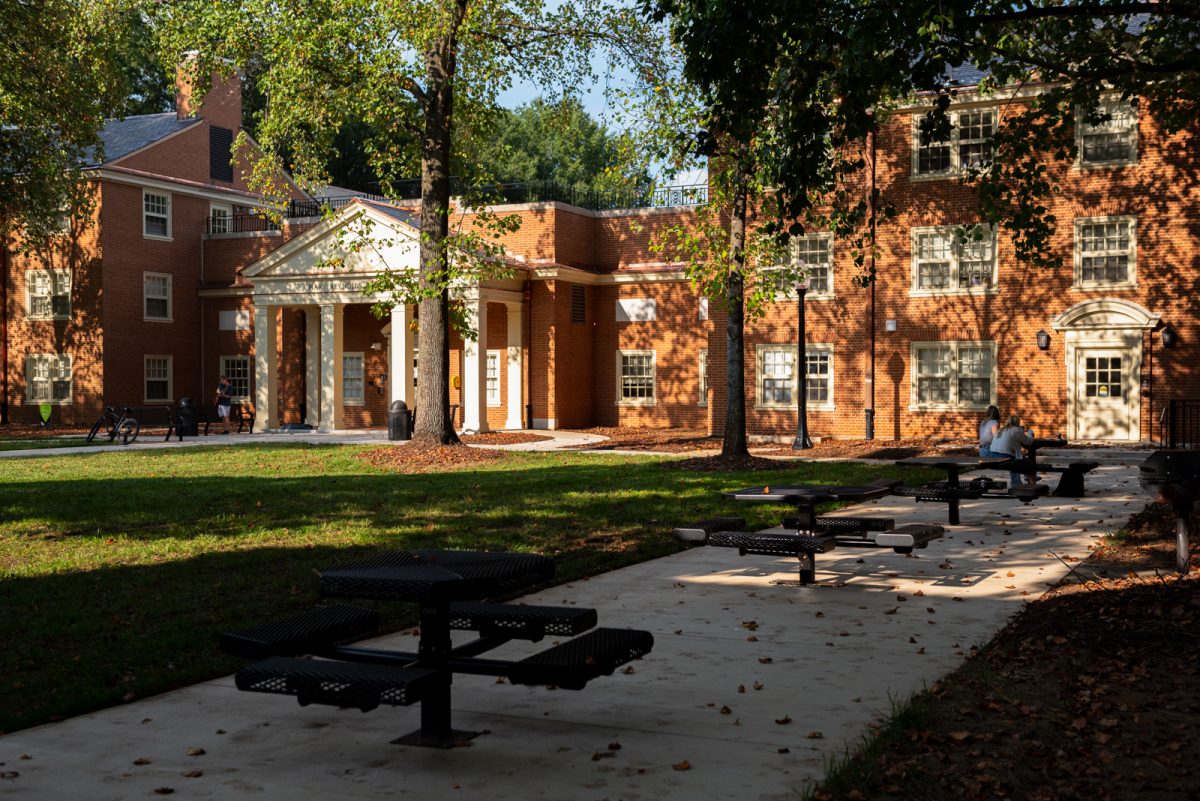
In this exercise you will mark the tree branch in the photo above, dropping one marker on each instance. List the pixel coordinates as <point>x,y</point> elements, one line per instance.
<point>1115,10</point>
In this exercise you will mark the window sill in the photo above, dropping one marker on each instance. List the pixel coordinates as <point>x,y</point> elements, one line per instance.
<point>650,402</point>
<point>158,238</point>
<point>1103,287</point>
<point>29,402</point>
<point>158,319</point>
<point>937,293</point>
<point>1085,166</point>
<point>353,403</point>
<point>53,319</point>
<point>158,400</point>
<point>780,407</point>
<point>945,407</point>
<point>934,176</point>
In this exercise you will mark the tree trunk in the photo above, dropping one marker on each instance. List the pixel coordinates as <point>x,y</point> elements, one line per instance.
<point>434,426</point>
<point>734,443</point>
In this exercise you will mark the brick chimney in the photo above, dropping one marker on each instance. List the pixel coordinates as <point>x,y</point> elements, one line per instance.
<point>222,106</point>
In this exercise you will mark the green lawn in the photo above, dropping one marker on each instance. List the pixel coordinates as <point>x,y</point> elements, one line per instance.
<point>119,570</point>
<point>40,443</point>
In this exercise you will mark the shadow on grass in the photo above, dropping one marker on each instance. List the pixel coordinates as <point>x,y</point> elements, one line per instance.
<point>117,584</point>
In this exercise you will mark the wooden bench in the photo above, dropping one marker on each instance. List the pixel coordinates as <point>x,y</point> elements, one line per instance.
<point>164,417</point>
<point>242,413</point>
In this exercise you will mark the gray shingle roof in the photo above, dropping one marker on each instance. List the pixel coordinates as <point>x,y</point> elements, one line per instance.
<point>122,137</point>
<point>403,215</point>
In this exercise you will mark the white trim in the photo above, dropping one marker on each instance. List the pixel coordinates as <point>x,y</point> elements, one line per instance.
<point>702,385</point>
<point>1106,314</point>
<point>953,376</point>
<point>180,186</point>
<point>166,214</point>
<point>798,369</point>
<point>227,216</point>
<point>360,400</point>
<point>170,318</point>
<point>56,278</point>
<point>170,378</point>
<point>956,250</point>
<point>1130,281</point>
<point>493,402</point>
<point>577,276</point>
<point>653,399</point>
<point>760,352</point>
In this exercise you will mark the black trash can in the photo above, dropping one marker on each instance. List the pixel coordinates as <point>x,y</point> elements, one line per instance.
<point>189,418</point>
<point>399,422</point>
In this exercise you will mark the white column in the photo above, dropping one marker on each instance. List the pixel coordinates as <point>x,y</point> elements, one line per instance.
<point>516,397</point>
<point>331,366</point>
<point>312,366</point>
<point>266,367</point>
<point>474,379</point>
<point>401,368</point>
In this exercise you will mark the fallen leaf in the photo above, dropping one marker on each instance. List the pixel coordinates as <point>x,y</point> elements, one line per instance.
<point>764,660</point>
<point>192,774</point>
<point>141,761</point>
<point>614,746</point>
<point>163,790</point>
<point>196,752</point>
<point>815,735</point>
<point>784,750</point>
<point>684,765</point>
<point>783,721</point>
<point>726,710</point>
<point>758,685</point>
<point>959,736</point>
<point>741,688</point>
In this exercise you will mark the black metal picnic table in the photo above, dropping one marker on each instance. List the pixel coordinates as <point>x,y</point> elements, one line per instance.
<point>806,497</point>
<point>445,584</point>
<point>953,465</point>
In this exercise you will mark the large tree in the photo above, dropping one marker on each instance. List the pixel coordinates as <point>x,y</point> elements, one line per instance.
<point>428,69</point>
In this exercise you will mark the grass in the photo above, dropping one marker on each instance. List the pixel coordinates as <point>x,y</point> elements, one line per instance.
<point>41,443</point>
<point>118,570</point>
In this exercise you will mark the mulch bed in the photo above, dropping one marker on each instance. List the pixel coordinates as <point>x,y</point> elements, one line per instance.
<point>417,458</point>
<point>1092,692</point>
<point>887,449</point>
<point>26,431</point>
<point>502,438</point>
<point>665,440</point>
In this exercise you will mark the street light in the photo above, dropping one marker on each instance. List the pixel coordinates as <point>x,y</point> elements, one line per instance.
<point>802,441</point>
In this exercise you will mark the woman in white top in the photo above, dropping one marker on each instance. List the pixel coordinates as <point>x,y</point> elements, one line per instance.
<point>1008,442</point>
<point>987,431</point>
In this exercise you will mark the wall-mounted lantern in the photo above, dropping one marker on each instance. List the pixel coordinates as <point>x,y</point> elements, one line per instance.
<point>1043,340</point>
<point>1169,337</point>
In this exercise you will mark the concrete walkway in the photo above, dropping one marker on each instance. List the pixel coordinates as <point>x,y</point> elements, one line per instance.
<point>750,689</point>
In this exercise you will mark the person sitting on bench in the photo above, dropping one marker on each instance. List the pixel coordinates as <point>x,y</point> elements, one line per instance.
<point>1008,442</point>
<point>987,432</point>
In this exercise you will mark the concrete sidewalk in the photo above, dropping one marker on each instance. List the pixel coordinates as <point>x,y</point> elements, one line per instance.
<point>750,689</point>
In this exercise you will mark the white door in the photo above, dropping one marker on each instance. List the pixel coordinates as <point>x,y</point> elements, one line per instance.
<point>1105,394</point>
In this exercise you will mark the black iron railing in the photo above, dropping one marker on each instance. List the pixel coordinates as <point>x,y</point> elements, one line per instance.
<point>240,224</point>
<point>1182,424</point>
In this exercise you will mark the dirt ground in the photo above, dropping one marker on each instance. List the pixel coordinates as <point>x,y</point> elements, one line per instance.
<point>1092,692</point>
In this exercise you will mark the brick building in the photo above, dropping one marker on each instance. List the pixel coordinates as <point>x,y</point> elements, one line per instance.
<point>165,290</point>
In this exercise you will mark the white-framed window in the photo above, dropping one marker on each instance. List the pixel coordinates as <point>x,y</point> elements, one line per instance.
<point>635,377</point>
<point>953,375</point>
<point>968,145</point>
<point>48,378</point>
<point>353,380</point>
<point>776,379</point>
<point>1105,252</point>
<point>158,379</point>
<point>1112,140</point>
<point>156,296</point>
<point>219,215</point>
<point>702,363</point>
<point>156,214</point>
<point>812,253</point>
<point>236,370</point>
<point>943,264</point>
<point>48,294</point>
<point>493,377</point>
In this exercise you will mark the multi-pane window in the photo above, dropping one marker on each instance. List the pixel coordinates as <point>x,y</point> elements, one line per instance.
<point>49,294</point>
<point>967,145</point>
<point>1112,139</point>
<point>814,253</point>
<point>953,374</point>
<point>156,294</point>
<point>776,377</point>
<point>1105,251</point>
<point>1102,376</point>
<point>493,378</point>
<point>48,378</point>
<point>353,384</point>
<point>818,376</point>
<point>703,383</point>
<point>156,214</point>
<point>942,262</point>
<point>777,380</point>
<point>635,376</point>
<point>236,370</point>
<point>158,378</point>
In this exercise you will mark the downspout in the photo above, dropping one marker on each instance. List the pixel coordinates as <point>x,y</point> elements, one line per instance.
<point>870,410</point>
<point>527,298</point>
<point>1150,386</point>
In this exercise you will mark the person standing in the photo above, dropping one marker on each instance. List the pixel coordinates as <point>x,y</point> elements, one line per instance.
<point>224,402</point>
<point>987,432</point>
<point>1008,442</point>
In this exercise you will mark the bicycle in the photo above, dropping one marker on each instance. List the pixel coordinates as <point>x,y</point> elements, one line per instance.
<point>124,426</point>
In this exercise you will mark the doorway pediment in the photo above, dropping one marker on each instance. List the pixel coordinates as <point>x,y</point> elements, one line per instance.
<point>1105,313</point>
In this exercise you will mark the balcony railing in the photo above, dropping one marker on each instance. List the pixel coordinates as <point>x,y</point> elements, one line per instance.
<point>1183,424</point>
<point>491,194</point>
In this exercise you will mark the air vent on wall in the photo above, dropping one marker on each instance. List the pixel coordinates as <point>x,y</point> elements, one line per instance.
<point>220,154</point>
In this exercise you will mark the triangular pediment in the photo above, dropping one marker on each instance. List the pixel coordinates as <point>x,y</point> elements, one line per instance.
<point>359,242</point>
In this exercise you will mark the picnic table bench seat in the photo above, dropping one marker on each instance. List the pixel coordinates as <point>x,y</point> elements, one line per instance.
<point>940,491</point>
<point>842,525</point>
<point>905,538</point>
<point>572,664</point>
<point>698,533</point>
<point>520,621</point>
<point>353,685</point>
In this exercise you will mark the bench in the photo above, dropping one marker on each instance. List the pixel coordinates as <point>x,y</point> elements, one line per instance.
<point>165,417</point>
<point>939,491</point>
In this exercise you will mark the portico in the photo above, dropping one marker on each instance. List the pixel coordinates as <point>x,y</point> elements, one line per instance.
<point>325,271</point>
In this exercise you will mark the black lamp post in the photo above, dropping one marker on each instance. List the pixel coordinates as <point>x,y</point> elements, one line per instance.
<point>802,440</point>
